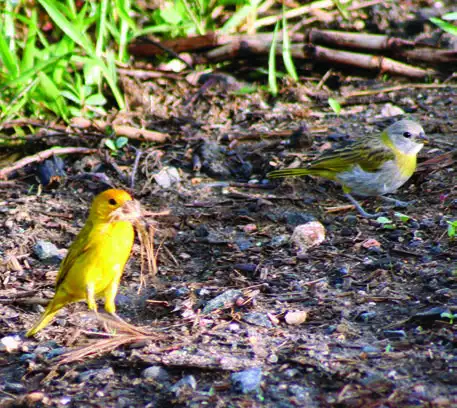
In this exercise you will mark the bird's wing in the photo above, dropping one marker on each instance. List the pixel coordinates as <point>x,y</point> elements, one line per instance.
<point>81,245</point>
<point>368,153</point>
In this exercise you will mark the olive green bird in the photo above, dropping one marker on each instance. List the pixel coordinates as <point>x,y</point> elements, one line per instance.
<point>372,166</point>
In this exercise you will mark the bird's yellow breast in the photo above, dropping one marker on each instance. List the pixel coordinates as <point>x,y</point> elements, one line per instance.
<point>102,262</point>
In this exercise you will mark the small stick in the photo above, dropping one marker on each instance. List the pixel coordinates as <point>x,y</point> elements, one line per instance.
<point>138,154</point>
<point>45,154</point>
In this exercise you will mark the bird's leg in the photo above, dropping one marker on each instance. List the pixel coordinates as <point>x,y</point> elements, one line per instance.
<point>397,203</point>
<point>110,307</point>
<point>90,297</point>
<point>359,208</point>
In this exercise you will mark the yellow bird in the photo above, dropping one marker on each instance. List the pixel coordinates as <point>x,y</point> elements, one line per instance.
<point>372,166</point>
<point>95,261</point>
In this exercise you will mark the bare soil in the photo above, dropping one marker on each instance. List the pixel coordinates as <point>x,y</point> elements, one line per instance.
<point>377,300</point>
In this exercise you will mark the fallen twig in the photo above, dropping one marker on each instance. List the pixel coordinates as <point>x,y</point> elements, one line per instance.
<point>122,130</point>
<point>5,172</point>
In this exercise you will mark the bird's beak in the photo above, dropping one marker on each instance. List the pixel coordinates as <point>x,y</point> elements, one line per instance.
<point>423,137</point>
<point>130,211</point>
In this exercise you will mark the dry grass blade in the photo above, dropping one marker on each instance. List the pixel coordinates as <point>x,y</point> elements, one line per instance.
<point>148,255</point>
<point>98,347</point>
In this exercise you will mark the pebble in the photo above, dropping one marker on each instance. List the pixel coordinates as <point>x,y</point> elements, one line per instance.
<point>247,381</point>
<point>27,357</point>
<point>167,177</point>
<point>296,317</point>
<point>224,300</point>
<point>395,334</point>
<point>279,240</point>
<point>308,235</point>
<point>55,352</point>
<point>294,218</point>
<point>47,252</point>
<point>243,243</point>
<point>366,316</point>
<point>184,385</point>
<point>182,292</point>
<point>257,319</point>
<point>15,388</point>
<point>157,373</point>
<point>96,374</point>
<point>371,349</point>
<point>10,343</point>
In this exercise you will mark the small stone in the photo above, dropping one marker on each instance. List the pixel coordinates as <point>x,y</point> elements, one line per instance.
<point>294,218</point>
<point>389,110</point>
<point>34,397</point>
<point>223,301</point>
<point>366,316</point>
<point>47,252</point>
<point>42,350</point>
<point>395,334</point>
<point>55,352</point>
<point>97,374</point>
<point>296,317</point>
<point>257,319</point>
<point>185,385</point>
<point>167,177</point>
<point>182,292</point>
<point>369,243</point>
<point>157,373</point>
<point>308,235</point>
<point>243,243</point>
<point>10,343</point>
<point>279,240</point>
<point>247,381</point>
<point>371,349</point>
<point>15,388</point>
<point>249,228</point>
<point>27,357</point>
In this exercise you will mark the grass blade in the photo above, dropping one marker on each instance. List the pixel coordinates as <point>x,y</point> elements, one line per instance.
<point>286,55</point>
<point>272,81</point>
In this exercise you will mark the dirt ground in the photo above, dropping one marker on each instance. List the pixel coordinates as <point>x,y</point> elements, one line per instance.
<point>365,319</point>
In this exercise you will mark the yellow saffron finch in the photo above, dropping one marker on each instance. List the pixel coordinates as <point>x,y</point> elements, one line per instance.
<point>374,165</point>
<point>95,261</point>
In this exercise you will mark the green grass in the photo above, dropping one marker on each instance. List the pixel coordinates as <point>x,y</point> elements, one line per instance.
<point>59,58</point>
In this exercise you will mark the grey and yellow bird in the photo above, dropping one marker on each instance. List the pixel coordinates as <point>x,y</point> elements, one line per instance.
<point>374,165</point>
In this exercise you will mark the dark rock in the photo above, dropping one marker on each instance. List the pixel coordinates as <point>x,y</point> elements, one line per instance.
<point>247,381</point>
<point>248,268</point>
<point>101,374</point>
<point>222,301</point>
<point>213,160</point>
<point>201,231</point>
<point>243,243</point>
<point>395,334</point>
<point>15,388</point>
<point>257,319</point>
<point>55,352</point>
<point>294,218</point>
<point>182,292</point>
<point>157,373</point>
<point>279,240</point>
<point>185,386</point>
<point>366,316</point>
<point>371,349</point>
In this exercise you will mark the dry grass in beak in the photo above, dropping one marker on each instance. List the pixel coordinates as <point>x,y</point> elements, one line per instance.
<point>146,231</point>
<point>130,211</point>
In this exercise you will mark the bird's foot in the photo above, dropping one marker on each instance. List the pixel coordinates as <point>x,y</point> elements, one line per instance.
<point>397,203</point>
<point>122,324</point>
<point>360,209</point>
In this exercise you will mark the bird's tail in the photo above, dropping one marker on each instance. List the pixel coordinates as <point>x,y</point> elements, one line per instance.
<point>289,173</point>
<point>45,319</point>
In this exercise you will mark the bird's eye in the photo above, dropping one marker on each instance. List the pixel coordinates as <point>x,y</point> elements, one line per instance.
<point>407,135</point>
<point>112,201</point>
